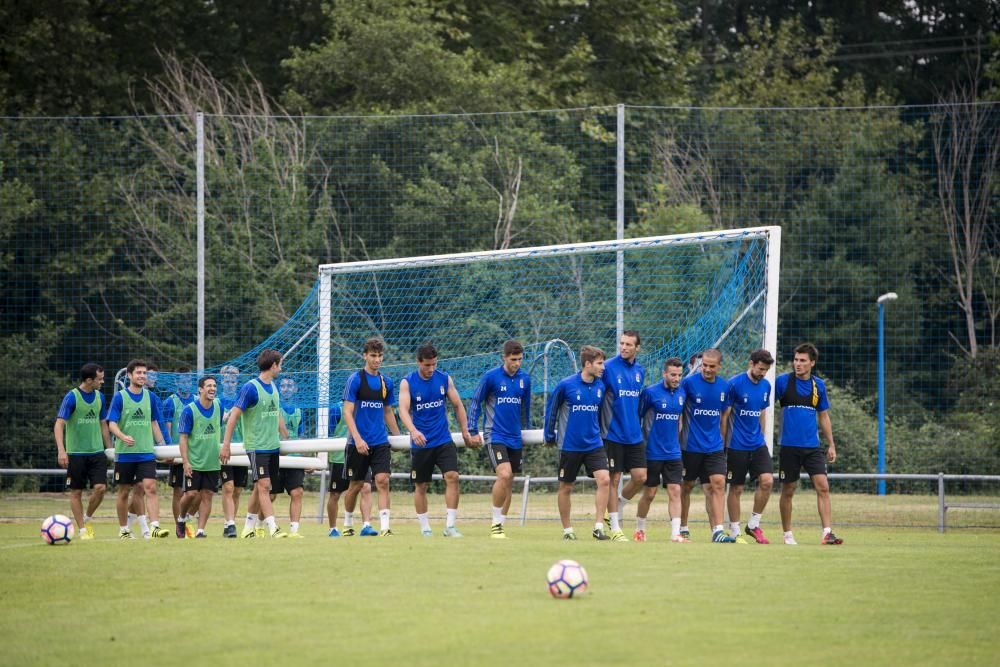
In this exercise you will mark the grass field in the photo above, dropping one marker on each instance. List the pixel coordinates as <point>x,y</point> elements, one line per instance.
<point>888,596</point>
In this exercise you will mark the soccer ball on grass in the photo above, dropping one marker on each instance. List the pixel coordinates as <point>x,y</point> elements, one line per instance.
<point>57,529</point>
<point>567,579</point>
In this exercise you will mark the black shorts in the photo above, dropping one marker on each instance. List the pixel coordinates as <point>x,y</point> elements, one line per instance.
<point>130,472</point>
<point>793,460</point>
<point>623,458</point>
<point>264,465</point>
<point>499,453</point>
<point>423,460</point>
<point>570,462</point>
<point>358,466</point>
<point>288,480</point>
<point>202,480</point>
<point>741,462</point>
<point>702,466</point>
<point>238,475</point>
<point>338,478</point>
<point>670,472</point>
<point>85,468</point>
<point>177,476</point>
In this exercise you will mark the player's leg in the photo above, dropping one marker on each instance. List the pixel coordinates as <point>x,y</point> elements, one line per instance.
<point>822,485</point>
<point>365,500</point>
<point>266,467</point>
<point>715,492</point>
<point>601,495</point>
<point>674,509</point>
<point>733,499</point>
<point>147,472</point>
<point>176,478</point>
<point>502,491</point>
<point>96,473</point>
<point>76,506</point>
<point>446,459</point>
<point>337,486</point>
<point>569,467</point>
<point>137,508</point>
<point>294,508</point>
<point>96,498</point>
<point>381,466</point>
<point>204,510</point>
<point>228,502</point>
<point>790,467</point>
<point>350,500</point>
<point>690,464</point>
<point>650,484</point>
<point>565,504</point>
<point>122,505</point>
<point>613,453</point>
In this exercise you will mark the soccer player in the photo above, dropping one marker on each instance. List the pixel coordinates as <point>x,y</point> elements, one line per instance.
<point>504,396</point>
<point>291,480</point>
<point>368,398</point>
<point>81,433</point>
<point>134,421</point>
<point>263,427</point>
<point>624,378</point>
<point>199,432</point>
<point>704,456</point>
<point>426,390</point>
<point>804,404</point>
<point>660,409</point>
<point>749,399</point>
<point>172,408</point>
<point>234,478</point>
<point>337,428</point>
<point>571,421</point>
<point>137,504</point>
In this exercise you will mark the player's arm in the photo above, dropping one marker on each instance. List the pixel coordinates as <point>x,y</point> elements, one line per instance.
<point>460,414</point>
<point>404,414</point>
<point>724,425</point>
<point>472,423</point>
<point>763,419</point>
<point>234,418</point>
<point>59,431</point>
<point>184,454</point>
<point>526,405</point>
<point>826,428</point>
<point>389,416</point>
<point>555,400</point>
<point>282,427</point>
<point>352,427</point>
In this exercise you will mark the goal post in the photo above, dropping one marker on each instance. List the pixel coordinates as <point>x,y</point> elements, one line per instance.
<point>683,293</point>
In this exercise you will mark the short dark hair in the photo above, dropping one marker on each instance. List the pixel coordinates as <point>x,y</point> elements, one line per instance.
<point>182,369</point>
<point>90,371</point>
<point>268,358</point>
<point>512,347</point>
<point>807,348</point>
<point>151,366</point>
<point>713,352</point>
<point>761,356</point>
<point>374,345</point>
<point>205,378</point>
<point>632,333</point>
<point>674,362</point>
<point>134,364</point>
<point>426,351</point>
<point>589,353</point>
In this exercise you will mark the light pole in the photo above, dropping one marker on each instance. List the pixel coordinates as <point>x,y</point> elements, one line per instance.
<point>882,300</point>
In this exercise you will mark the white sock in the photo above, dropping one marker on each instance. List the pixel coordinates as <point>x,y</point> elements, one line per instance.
<point>675,527</point>
<point>640,523</point>
<point>348,519</point>
<point>754,521</point>
<point>615,522</point>
<point>716,529</point>
<point>568,530</point>
<point>124,529</point>
<point>425,523</point>
<point>449,521</point>
<point>599,526</point>
<point>132,519</point>
<point>827,530</point>
<point>682,528</point>
<point>383,519</point>
<point>293,527</point>
<point>503,519</point>
<point>230,522</point>
<point>734,528</point>
<point>251,522</point>
<point>271,525</point>
<point>86,519</point>
<point>788,535</point>
<point>143,523</point>
<point>200,532</point>
<point>497,513</point>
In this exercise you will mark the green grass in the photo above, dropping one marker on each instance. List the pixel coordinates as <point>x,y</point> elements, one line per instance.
<point>888,596</point>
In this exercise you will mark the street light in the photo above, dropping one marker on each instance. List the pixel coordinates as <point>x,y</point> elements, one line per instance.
<point>882,300</point>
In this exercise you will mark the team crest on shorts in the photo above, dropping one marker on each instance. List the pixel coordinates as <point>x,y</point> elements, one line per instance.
<point>117,476</point>
<point>68,480</point>
<point>261,470</point>
<point>562,472</point>
<point>413,474</point>
<point>499,455</point>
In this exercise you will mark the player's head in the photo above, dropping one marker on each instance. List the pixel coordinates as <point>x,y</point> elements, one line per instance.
<point>711,362</point>
<point>152,374</point>
<point>269,361</point>
<point>628,344</point>
<point>592,359</point>
<point>805,358</point>
<point>184,380</point>
<point>513,356</point>
<point>230,379</point>
<point>136,371</point>
<point>373,353</point>
<point>287,388</point>
<point>673,371</point>
<point>92,376</point>
<point>760,363</point>
<point>207,388</point>
<point>427,360</point>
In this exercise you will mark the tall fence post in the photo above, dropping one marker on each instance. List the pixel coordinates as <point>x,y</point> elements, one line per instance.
<point>200,214</point>
<point>941,506</point>
<point>524,499</point>
<point>620,223</point>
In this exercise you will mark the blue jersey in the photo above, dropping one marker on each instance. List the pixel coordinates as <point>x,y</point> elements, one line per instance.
<point>571,417</point>
<point>161,421</point>
<point>660,411</point>
<point>68,404</point>
<point>168,406</point>
<point>748,400</point>
<point>505,401</point>
<point>115,413</point>
<point>704,403</point>
<point>798,422</point>
<point>429,407</point>
<point>369,415</point>
<point>623,381</point>
<point>227,402</point>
